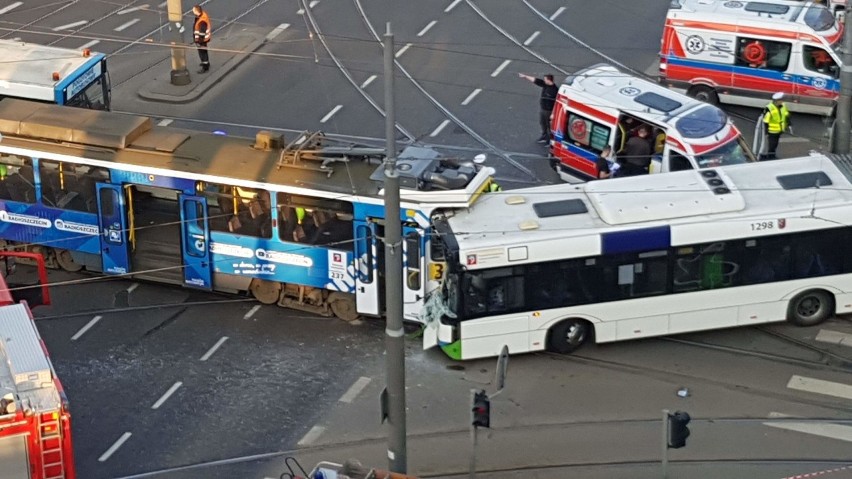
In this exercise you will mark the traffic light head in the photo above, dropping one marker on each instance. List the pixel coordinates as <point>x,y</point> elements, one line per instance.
<point>481,410</point>
<point>678,432</point>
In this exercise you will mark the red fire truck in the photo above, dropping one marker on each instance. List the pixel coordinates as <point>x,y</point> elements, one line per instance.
<point>35,424</point>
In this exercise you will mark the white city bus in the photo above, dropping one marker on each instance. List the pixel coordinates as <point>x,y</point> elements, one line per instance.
<point>548,268</point>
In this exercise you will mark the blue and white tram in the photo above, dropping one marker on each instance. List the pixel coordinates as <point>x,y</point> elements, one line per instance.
<point>296,224</point>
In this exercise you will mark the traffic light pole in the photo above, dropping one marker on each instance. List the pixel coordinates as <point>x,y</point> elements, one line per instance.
<point>842,126</point>
<point>394,332</point>
<point>665,443</point>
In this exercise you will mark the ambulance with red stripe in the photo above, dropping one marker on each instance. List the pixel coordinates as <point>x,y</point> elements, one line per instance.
<point>741,52</point>
<point>601,106</point>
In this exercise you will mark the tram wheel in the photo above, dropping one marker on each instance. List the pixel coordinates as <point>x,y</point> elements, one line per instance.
<point>66,261</point>
<point>704,93</point>
<point>267,292</point>
<point>343,306</point>
<point>567,336</point>
<point>810,308</point>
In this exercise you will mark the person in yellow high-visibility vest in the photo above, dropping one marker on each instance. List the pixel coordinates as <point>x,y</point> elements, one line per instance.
<point>776,120</point>
<point>493,186</point>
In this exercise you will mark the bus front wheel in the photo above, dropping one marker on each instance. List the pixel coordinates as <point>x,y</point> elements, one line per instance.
<point>811,308</point>
<point>704,93</point>
<point>568,336</point>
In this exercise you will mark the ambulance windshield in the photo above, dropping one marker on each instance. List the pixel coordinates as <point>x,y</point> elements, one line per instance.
<point>702,122</point>
<point>819,18</point>
<point>731,153</point>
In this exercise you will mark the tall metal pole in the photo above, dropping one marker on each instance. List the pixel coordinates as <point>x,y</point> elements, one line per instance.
<point>665,464</point>
<point>843,123</point>
<point>179,74</point>
<point>394,339</point>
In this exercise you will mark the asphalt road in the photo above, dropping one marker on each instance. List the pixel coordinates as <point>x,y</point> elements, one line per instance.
<point>279,380</point>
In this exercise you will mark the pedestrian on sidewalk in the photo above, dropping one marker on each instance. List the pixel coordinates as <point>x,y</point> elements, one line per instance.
<point>201,32</point>
<point>549,89</point>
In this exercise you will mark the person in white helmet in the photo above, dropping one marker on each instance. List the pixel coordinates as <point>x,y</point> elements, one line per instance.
<point>776,120</point>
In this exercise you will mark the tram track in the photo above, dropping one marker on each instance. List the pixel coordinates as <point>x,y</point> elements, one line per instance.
<point>23,27</point>
<point>95,21</point>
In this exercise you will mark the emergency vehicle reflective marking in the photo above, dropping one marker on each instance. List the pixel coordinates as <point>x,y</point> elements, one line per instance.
<point>125,26</point>
<point>834,337</point>
<point>10,7</point>
<point>368,81</point>
<point>746,30</point>
<point>531,38</point>
<point>331,113</point>
<point>452,6</point>
<point>167,395</point>
<point>355,389</point>
<point>440,128</point>
<point>70,25</point>
<point>471,96</point>
<point>251,311</point>
<point>311,436</point>
<point>819,386</point>
<point>215,347</point>
<point>427,28</point>
<point>88,44</point>
<point>500,68</point>
<point>85,328</point>
<point>133,9</point>
<point>402,50</point>
<point>109,452</point>
<point>557,13</point>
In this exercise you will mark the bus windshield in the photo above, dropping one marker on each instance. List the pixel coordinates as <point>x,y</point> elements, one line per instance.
<point>94,96</point>
<point>733,152</point>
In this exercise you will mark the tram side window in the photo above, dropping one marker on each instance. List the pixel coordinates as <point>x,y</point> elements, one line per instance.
<point>586,133</point>
<point>238,210</point>
<point>69,186</point>
<point>763,54</point>
<point>316,221</point>
<point>16,179</point>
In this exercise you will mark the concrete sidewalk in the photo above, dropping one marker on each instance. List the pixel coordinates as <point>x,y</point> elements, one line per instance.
<point>228,49</point>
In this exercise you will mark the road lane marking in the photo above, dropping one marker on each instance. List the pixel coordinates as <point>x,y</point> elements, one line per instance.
<point>251,311</point>
<point>440,127</point>
<point>311,436</point>
<point>557,13</point>
<point>85,328</point>
<point>834,337</point>
<point>331,113</point>
<point>70,25</point>
<point>402,50</point>
<point>368,81</point>
<point>109,452</point>
<point>125,26</point>
<point>355,389</point>
<point>793,139</point>
<point>166,122</point>
<point>163,4</point>
<point>452,6</point>
<point>820,386</point>
<point>167,395</point>
<point>531,38</point>
<point>313,4</point>
<point>277,31</point>
<point>427,28</point>
<point>471,96</point>
<point>212,350</point>
<point>132,287</point>
<point>133,9</point>
<point>11,7</point>
<point>89,45</point>
<point>500,68</point>
<point>832,431</point>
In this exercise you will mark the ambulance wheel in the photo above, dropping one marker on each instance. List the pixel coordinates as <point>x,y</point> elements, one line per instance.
<point>267,292</point>
<point>810,308</point>
<point>343,306</point>
<point>66,261</point>
<point>567,336</point>
<point>704,93</point>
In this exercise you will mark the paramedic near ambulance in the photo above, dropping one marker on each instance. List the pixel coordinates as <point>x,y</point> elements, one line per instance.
<point>776,120</point>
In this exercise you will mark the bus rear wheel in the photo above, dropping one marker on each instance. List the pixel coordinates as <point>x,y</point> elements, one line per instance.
<point>567,336</point>
<point>810,308</point>
<point>704,93</point>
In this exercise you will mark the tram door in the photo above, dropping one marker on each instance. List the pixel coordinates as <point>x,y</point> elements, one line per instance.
<point>112,217</point>
<point>369,265</point>
<point>195,234</point>
<point>413,262</point>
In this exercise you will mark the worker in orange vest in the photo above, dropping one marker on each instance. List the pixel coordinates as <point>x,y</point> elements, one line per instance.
<point>201,33</point>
